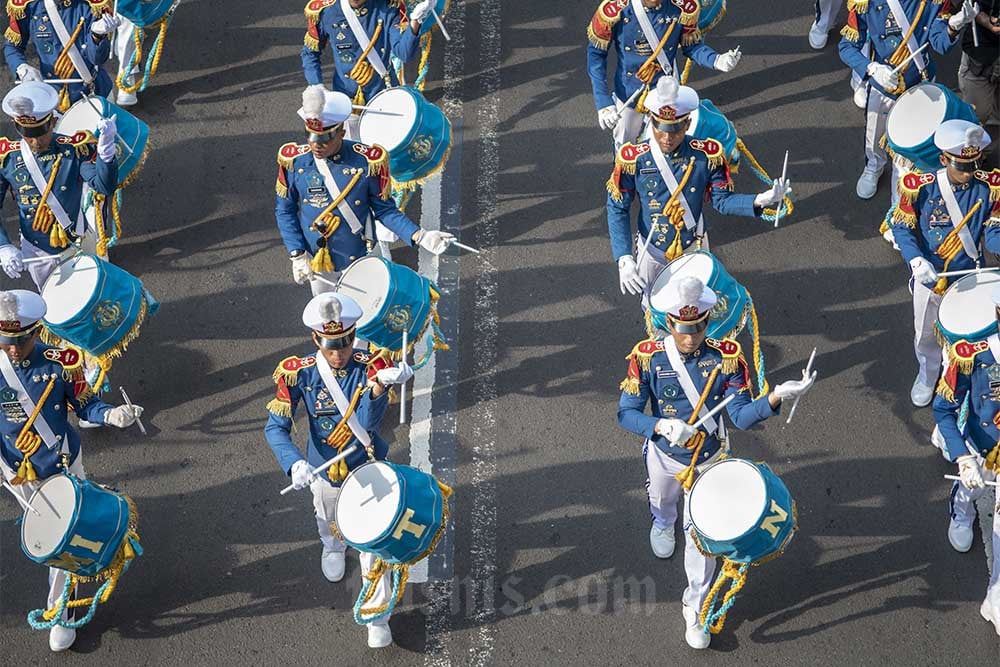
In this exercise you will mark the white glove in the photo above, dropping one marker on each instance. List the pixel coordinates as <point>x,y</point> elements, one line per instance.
<point>607,118</point>
<point>395,375</point>
<point>302,269</point>
<point>108,130</point>
<point>727,62</point>
<point>963,16</point>
<point>302,474</point>
<point>968,470</point>
<point>883,76</point>
<point>781,188</point>
<point>795,388</point>
<point>629,279</point>
<point>11,260</point>
<point>106,24</point>
<point>26,72</point>
<point>923,271</point>
<point>420,11</point>
<point>123,416</point>
<point>434,242</point>
<point>676,431</point>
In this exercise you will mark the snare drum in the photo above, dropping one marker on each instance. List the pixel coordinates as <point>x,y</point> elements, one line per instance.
<point>133,134</point>
<point>730,313</point>
<point>392,298</point>
<point>393,511</point>
<point>913,118</point>
<point>145,13</point>
<point>95,305</point>
<point>712,11</point>
<point>79,527</point>
<point>707,122</point>
<point>742,511</point>
<point>418,136</point>
<point>967,310</point>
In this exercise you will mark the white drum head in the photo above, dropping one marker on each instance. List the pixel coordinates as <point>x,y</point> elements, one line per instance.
<point>699,265</point>
<point>727,499</point>
<point>916,114</point>
<point>368,502</point>
<point>367,282</point>
<point>69,288</point>
<point>80,116</point>
<point>967,306</point>
<point>55,501</point>
<point>385,130</point>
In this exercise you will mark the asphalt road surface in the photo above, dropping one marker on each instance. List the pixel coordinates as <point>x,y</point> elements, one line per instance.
<point>549,559</point>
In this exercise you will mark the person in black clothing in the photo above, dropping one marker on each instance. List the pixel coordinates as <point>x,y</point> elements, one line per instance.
<point>979,73</point>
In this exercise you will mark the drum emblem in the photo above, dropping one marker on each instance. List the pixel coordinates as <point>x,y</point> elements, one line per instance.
<point>108,314</point>
<point>720,308</point>
<point>398,318</point>
<point>421,148</point>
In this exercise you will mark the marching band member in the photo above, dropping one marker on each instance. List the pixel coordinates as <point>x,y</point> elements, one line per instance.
<point>892,31</point>
<point>939,224</point>
<point>39,385</point>
<point>645,36</point>
<point>328,188</point>
<point>673,375</point>
<point>45,173</point>
<point>344,393</point>
<point>973,371</point>
<point>72,38</point>
<point>671,175</point>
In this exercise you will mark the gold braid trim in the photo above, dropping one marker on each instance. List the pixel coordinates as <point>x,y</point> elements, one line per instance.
<point>13,36</point>
<point>993,459</point>
<point>602,24</point>
<point>648,69</point>
<point>992,179</point>
<point>850,33</point>
<point>689,37</point>
<point>731,351</point>
<point>902,52</point>
<point>18,9</point>
<point>630,386</point>
<point>279,408</point>
<point>945,391</point>
<point>857,6</point>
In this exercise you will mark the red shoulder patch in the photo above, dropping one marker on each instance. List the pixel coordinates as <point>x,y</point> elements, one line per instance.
<point>81,137</point>
<point>991,178</point>
<point>68,357</point>
<point>631,152</point>
<point>967,350</point>
<point>374,153</point>
<point>687,6</point>
<point>319,5</point>
<point>295,364</point>
<point>914,181</point>
<point>613,8</point>
<point>709,147</point>
<point>293,150</point>
<point>726,346</point>
<point>650,346</point>
<point>7,146</point>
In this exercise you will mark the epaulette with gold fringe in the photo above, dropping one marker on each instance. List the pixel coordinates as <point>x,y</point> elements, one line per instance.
<point>288,152</point>
<point>281,184</point>
<point>625,160</point>
<point>7,147</point>
<point>98,7</point>
<point>13,33</point>
<point>18,9</point>
<point>374,361</point>
<point>312,11</point>
<point>712,149</point>
<point>961,359</point>
<point>603,22</point>
<point>82,141</point>
<point>281,404</point>
<point>378,166</point>
<point>69,358</point>
<point>992,179</point>
<point>638,362</point>
<point>288,369</point>
<point>858,6</point>
<point>850,29</point>
<point>731,351</point>
<point>691,36</point>
<point>911,182</point>
<point>690,11</point>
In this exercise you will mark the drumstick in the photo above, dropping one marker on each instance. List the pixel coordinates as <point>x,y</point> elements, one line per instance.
<point>320,278</point>
<point>714,411</point>
<point>378,111</point>
<point>632,98</point>
<point>910,57</point>
<point>964,272</point>
<point>402,387</point>
<point>784,173</point>
<point>138,422</point>
<point>809,366</point>
<point>440,23</point>
<point>316,472</point>
<point>25,505</point>
<point>956,478</point>
<point>465,247</point>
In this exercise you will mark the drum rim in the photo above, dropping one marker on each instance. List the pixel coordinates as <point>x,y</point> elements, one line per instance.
<point>408,137</point>
<point>400,494</point>
<point>71,524</point>
<point>911,92</point>
<point>686,257</point>
<point>97,284</point>
<point>386,265</point>
<point>982,332</point>
<point>400,171</point>
<point>755,524</point>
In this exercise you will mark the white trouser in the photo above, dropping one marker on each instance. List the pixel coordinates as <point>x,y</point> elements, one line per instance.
<point>925,344</point>
<point>876,113</point>
<point>57,578</point>
<point>629,124</point>
<point>826,13</point>
<point>125,48</point>
<point>325,506</point>
<point>664,491</point>
<point>319,287</point>
<point>963,511</point>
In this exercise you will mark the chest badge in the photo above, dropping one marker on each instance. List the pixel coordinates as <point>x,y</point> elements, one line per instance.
<point>670,391</point>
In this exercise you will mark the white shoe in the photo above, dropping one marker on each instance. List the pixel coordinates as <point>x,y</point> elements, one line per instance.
<point>817,37</point>
<point>990,610</point>
<point>333,564</point>
<point>938,441</point>
<point>694,635</point>
<point>379,636</point>
<point>662,541</point>
<point>83,423</point>
<point>960,537</point>
<point>868,183</point>
<point>125,99</point>
<point>61,638</point>
<point>921,394</point>
<point>861,96</point>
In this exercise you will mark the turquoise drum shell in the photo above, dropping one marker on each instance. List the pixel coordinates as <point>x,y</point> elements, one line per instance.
<point>728,317</point>
<point>407,289</point>
<point>757,543</point>
<point>418,491</point>
<point>440,6</point>
<point>924,155</point>
<point>133,133</point>
<point>145,13</point>
<point>713,124</point>
<point>99,516</point>
<point>712,11</point>
<point>433,129</point>
<point>117,288</point>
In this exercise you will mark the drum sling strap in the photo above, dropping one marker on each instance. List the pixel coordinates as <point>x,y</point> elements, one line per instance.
<point>339,438</point>
<point>50,202</point>
<point>644,73</point>
<point>70,59</point>
<point>27,441</point>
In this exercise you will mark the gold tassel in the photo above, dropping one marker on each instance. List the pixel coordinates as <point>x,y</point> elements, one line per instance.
<point>14,37</point>
<point>321,262</point>
<point>630,386</point>
<point>850,33</point>
<point>25,473</point>
<point>676,249</point>
<point>279,408</point>
<point>64,101</point>
<point>689,37</point>
<point>858,6</point>
<point>311,42</point>
<point>945,391</point>
<point>58,237</point>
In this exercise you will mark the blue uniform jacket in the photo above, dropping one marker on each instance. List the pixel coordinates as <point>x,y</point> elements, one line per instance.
<point>614,25</point>
<point>652,380</point>
<point>636,172</point>
<point>871,21</point>
<point>35,372</point>
<point>920,221</point>
<point>79,164</point>
<point>302,197</point>
<point>974,371</point>
<point>29,22</point>
<point>299,381</point>
<point>327,25</point>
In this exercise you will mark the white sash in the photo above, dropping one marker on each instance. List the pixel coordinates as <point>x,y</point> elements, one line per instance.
<point>362,36</point>
<point>41,426</point>
<point>956,215</point>
<point>687,384</point>
<point>650,35</point>
<point>31,164</point>
<point>994,342</point>
<point>79,64</point>
<point>904,25</point>
<point>344,207</point>
<point>340,399</point>
<point>671,180</point>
